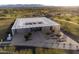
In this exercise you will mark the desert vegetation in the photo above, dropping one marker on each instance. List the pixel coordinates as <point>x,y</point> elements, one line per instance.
<point>13,50</point>
<point>68,17</point>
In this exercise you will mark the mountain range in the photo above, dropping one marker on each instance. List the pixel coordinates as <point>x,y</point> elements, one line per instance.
<point>21,5</point>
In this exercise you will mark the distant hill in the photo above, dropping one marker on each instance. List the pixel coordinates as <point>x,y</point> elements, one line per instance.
<point>21,5</point>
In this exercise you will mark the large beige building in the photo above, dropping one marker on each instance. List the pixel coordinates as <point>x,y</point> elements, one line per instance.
<point>43,24</point>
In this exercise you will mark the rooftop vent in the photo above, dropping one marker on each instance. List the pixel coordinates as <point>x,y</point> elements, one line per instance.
<point>33,23</point>
<point>28,23</point>
<point>40,22</point>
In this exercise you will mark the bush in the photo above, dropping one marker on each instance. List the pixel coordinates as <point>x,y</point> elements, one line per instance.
<point>48,33</point>
<point>27,36</point>
<point>68,19</point>
<point>30,34</point>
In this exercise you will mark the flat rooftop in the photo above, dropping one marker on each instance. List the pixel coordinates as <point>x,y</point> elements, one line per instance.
<point>33,22</point>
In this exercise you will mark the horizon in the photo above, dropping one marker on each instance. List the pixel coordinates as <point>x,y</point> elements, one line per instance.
<point>42,2</point>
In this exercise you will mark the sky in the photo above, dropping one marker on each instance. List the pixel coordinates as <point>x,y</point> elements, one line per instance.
<point>44,2</point>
